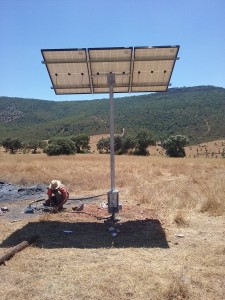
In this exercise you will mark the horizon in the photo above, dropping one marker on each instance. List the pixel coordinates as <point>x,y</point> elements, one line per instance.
<point>122,96</point>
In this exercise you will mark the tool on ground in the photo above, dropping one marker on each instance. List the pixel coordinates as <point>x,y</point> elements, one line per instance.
<point>78,207</point>
<point>4,209</point>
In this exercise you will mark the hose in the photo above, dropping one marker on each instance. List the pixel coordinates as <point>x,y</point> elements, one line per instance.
<point>73,199</point>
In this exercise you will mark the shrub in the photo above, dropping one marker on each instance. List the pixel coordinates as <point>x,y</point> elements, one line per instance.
<point>60,146</point>
<point>174,145</point>
<point>12,145</point>
<point>81,143</point>
<point>142,140</point>
<point>103,145</point>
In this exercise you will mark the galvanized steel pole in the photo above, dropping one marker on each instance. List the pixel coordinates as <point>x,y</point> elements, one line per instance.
<point>111,83</point>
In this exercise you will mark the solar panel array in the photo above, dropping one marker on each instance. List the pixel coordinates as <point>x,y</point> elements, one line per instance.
<point>136,69</point>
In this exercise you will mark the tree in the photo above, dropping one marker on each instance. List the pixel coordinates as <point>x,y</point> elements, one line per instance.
<point>127,143</point>
<point>12,145</point>
<point>81,142</point>
<point>35,144</point>
<point>103,145</point>
<point>118,142</point>
<point>60,146</point>
<point>124,143</point>
<point>174,145</point>
<point>143,140</point>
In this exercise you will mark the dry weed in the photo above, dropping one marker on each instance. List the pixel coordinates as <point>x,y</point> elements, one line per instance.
<point>173,190</point>
<point>213,207</point>
<point>177,290</point>
<point>181,219</point>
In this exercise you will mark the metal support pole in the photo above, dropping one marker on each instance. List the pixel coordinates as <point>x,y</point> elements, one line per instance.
<point>113,195</point>
<point>111,82</point>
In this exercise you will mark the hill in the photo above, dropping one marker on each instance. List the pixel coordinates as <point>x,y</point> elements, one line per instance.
<point>197,112</point>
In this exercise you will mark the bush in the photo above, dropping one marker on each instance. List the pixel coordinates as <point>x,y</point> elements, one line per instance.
<point>122,144</point>
<point>12,145</point>
<point>143,139</point>
<point>174,145</point>
<point>128,143</point>
<point>33,145</point>
<point>81,143</point>
<point>60,146</point>
<point>103,145</point>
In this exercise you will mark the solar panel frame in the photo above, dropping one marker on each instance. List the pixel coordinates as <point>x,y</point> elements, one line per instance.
<point>108,60</point>
<point>150,62</point>
<point>136,69</point>
<point>59,63</point>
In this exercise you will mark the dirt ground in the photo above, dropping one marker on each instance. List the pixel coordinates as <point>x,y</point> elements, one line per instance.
<point>194,251</point>
<point>93,210</point>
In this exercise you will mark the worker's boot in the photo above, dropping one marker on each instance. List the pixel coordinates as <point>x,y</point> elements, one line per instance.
<point>47,203</point>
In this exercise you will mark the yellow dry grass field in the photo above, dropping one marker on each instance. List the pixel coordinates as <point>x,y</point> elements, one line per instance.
<point>170,242</point>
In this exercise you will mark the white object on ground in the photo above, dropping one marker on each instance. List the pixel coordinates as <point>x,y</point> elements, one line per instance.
<point>111,228</point>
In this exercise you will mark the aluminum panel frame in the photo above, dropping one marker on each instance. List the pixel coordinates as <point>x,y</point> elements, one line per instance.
<point>136,69</point>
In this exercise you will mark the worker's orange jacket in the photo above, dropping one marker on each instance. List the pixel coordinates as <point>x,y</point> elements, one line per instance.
<point>62,190</point>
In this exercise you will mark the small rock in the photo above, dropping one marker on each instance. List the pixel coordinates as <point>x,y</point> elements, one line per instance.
<point>180,235</point>
<point>104,205</point>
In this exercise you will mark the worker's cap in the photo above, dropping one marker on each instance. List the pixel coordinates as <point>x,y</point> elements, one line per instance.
<point>55,184</point>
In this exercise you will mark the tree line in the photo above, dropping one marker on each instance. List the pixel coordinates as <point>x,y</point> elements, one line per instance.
<point>136,144</point>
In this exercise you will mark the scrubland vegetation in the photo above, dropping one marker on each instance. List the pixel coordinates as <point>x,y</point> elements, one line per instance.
<point>195,112</point>
<point>184,195</point>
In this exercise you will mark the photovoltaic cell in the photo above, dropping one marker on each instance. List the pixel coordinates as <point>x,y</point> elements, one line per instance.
<point>84,71</point>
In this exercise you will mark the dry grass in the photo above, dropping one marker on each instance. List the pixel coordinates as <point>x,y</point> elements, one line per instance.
<point>178,289</point>
<point>185,197</point>
<point>181,219</point>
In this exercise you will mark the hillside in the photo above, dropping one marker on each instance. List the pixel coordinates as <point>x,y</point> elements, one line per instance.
<point>197,112</point>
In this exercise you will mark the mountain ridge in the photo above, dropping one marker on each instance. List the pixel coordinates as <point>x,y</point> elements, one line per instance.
<point>197,112</point>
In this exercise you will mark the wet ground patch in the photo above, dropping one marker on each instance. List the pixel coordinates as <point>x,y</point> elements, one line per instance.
<point>10,192</point>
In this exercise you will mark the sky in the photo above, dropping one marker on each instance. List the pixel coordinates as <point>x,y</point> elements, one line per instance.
<point>27,26</point>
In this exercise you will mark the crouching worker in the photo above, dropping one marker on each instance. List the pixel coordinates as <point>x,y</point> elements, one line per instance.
<point>57,195</point>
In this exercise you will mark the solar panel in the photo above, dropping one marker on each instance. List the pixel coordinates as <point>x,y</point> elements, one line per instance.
<point>136,69</point>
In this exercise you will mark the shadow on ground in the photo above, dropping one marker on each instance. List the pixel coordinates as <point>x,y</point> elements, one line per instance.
<point>53,234</point>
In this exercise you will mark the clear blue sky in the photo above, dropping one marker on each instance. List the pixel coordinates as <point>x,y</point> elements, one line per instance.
<point>27,26</point>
